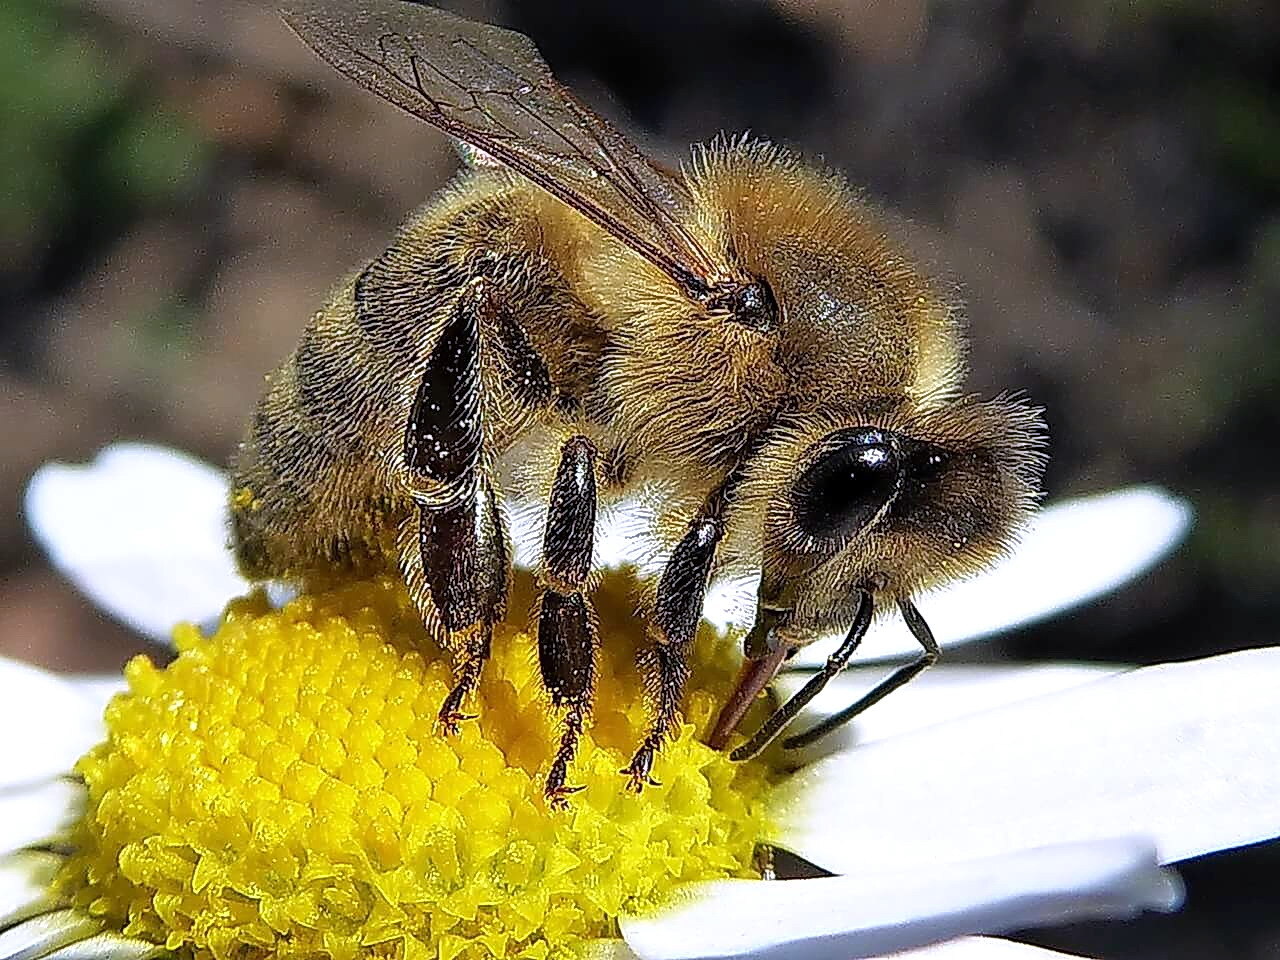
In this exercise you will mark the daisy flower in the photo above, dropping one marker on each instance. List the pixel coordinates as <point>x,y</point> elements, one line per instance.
<point>276,790</point>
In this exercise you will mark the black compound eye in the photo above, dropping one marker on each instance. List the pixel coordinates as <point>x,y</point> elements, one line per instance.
<point>841,492</point>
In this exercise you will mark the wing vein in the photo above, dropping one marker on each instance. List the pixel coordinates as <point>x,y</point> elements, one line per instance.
<point>488,87</point>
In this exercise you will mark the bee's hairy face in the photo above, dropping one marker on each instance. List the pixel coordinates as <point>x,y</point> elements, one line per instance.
<point>894,506</point>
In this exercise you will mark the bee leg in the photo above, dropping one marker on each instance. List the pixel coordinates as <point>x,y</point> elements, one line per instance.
<point>567,638</point>
<point>835,663</point>
<point>908,671</point>
<point>470,658</point>
<point>464,562</point>
<point>455,556</point>
<point>677,611</point>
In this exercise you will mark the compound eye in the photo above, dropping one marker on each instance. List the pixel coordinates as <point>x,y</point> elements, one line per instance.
<point>842,491</point>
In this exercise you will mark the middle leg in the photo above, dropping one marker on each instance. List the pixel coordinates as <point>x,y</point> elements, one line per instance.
<point>567,635</point>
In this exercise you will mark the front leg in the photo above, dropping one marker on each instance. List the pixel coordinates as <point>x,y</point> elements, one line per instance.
<point>788,711</point>
<point>567,637</point>
<point>453,552</point>
<point>676,615</point>
<point>908,671</point>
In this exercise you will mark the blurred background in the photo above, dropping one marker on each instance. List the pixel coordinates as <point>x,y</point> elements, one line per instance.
<point>183,180</point>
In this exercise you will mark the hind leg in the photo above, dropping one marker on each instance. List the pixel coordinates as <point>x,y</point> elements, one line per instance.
<point>453,550</point>
<point>462,562</point>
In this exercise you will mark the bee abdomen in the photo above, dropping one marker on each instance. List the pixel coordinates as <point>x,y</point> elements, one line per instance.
<point>335,376</point>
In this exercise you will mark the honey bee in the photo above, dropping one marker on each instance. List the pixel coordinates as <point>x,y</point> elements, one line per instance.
<point>571,322</point>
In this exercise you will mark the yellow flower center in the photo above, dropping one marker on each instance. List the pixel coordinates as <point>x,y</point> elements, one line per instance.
<point>280,789</point>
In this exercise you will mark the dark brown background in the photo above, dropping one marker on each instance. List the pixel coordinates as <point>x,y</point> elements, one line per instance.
<point>183,180</point>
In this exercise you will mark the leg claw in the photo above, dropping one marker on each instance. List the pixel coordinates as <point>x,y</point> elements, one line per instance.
<point>558,796</point>
<point>638,774</point>
<point>636,782</point>
<point>450,722</point>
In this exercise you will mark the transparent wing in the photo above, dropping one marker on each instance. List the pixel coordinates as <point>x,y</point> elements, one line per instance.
<point>490,88</point>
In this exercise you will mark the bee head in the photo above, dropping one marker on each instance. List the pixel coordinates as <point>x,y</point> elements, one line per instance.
<point>892,506</point>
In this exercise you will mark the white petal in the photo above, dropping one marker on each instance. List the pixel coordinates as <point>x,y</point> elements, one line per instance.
<point>938,695</point>
<point>621,536</point>
<point>731,604</point>
<point>24,883</point>
<point>41,935</point>
<point>835,918</point>
<point>31,815</point>
<point>97,689</point>
<point>607,950</point>
<point>33,923</point>
<point>1072,552</point>
<point>107,946</point>
<point>982,948</point>
<point>524,524</point>
<point>1185,753</point>
<point>45,725</point>
<point>143,531</point>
